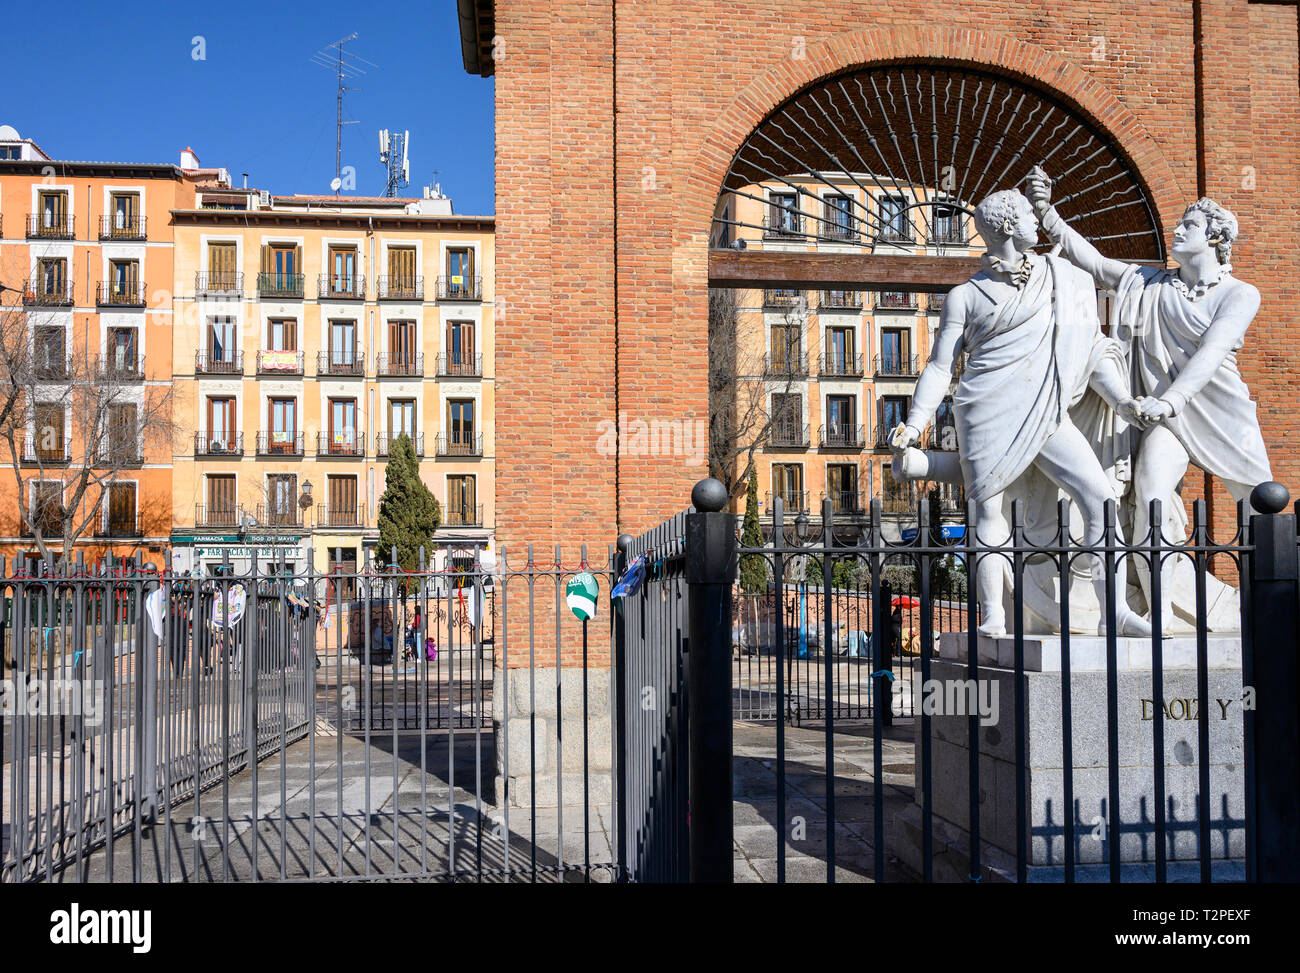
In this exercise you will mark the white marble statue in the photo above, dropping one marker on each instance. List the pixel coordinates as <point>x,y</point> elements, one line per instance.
<point>1182,330</point>
<point>1038,368</point>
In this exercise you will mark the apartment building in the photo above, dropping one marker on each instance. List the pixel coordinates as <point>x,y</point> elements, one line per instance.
<point>311,332</point>
<point>86,261</point>
<point>838,367</point>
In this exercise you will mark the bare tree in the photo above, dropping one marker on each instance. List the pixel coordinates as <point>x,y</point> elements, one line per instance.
<point>742,380</point>
<point>71,421</point>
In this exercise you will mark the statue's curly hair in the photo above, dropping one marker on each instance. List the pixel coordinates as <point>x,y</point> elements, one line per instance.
<point>996,208</point>
<point>1220,226</point>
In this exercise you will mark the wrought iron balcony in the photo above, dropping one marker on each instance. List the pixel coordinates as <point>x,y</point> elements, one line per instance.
<point>936,303</point>
<point>835,231</point>
<point>941,235</point>
<point>897,366</point>
<point>219,444</point>
<point>456,288</point>
<point>42,226</point>
<point>342,287</point>
<point>838,365</point>
<point>217,515</point>
<point>46,293</point>
<point>120,455</point>
<point>384,442</point>
<point>334,515</point>
<point>941,436</point>
<point>277,515</point>
<point>121,227</point>
<point>463,515</point>
<point>463,366</point>
<point>401,366</point>
<point>119,528</point>
<point>847,502</point>
<point>274,285</point>
<point>894,233</point>
<point>277,443</point>
<point>111,293</point>
<point>391,288</point>
<point>347,364</point>
<point>39,453</point>
<point>841,300</point>
<point>275,362</point>
<point>834,436</point>
<point>229,363</point>
<point>788,435</point>
<point>459,444</point>
<point>782,224</point>
<point>51,367</point>
<point>793,364</point>
<point>112,368</point>
<point>348,444</point>
<point>899,500</point>
<point>782,298</point>
<point>227,283</point>
<point>896,300</point>
<point>793,501</point>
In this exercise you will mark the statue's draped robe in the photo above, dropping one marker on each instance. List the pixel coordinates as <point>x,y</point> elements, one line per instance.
<point>1031,354</point>
<point>1218,426</point>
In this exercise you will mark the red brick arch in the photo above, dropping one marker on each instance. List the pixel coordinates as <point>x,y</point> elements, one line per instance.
<point>987,50</point>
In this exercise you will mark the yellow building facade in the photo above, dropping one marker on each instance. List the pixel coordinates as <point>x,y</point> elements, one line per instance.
<point>310,333</point>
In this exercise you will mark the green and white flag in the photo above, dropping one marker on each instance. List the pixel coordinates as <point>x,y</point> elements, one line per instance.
<point>581,594</point>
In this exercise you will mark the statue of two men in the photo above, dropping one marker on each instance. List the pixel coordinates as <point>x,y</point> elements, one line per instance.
<point>1045,398</point>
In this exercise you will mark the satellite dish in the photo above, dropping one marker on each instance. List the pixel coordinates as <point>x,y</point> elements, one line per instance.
<point>335,183</point>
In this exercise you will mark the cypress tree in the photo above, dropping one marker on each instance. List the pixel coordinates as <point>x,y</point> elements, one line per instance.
<point>408,512</point>
<point>753,567</point>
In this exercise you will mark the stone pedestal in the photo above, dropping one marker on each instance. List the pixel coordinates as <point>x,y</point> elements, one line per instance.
<point>1045,812</point>
<point>546,707</point>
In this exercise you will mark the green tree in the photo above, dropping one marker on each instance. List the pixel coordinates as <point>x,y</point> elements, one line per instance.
<point>408,512</point>
<point>753,567</point>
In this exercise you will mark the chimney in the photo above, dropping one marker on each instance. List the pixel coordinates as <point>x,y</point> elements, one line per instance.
<point>245,180</point>
<point>188,159</point>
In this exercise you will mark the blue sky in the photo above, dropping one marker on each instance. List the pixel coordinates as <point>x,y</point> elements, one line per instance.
<point>122,85</point>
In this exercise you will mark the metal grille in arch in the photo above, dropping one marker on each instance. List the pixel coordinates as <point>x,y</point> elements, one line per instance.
<point>894,158</point>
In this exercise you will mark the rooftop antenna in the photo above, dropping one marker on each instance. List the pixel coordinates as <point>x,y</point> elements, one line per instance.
<point>392,153</point>
<point>344,66</point>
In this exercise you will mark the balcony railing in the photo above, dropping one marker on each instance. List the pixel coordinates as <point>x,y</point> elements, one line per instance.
<point>787,435</point>
<point>896,300</point>
<point>217,515</point>
<point>936,303</point>
<point>791,365</point>
<point>846,501</point>
<point>120,455</point>
<point>229,363</point>
<point>121,227</point>
<point>795,501</point>
<point>35,451</point>
<point>274,515</point>
<point>384,441</point>
<point>333,515</point>
<point>276,362</point>
<point>51,367</point>
<point>342,287</point>
<point>941,436</point>
<point>219,444</point>
<point>280,285</point>
<point>399,366</point>
<point>112,368</point>
<point>111,293</point>
<point>831,229</point>
<point>276,443</point>
<point>894,233</point>
<point>223,283</point>
<point>463,366</point>
<point>463,515</point>
<point>834,436</point>
<point>43,227</point>
<point>350,444</point>
<point>782,224</point>
<point>340,363</point>
<point>841,365</point>
<point>899,500</point>
<point>43,293</point>
<point>782,298</point>
<point>884,433</point>
<point>119,528</point>
<point>460,444</point>
<point>841,300</point>
<point>948,235</point>
<point>390,288</point>
<point>897,366</point>
<point>457,288</point>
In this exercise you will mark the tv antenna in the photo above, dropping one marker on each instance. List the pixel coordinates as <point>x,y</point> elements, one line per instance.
<point>392,153</point>
<point>345,66</point>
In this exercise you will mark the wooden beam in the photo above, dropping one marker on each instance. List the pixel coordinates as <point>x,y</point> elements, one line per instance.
<point>839,271</point>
